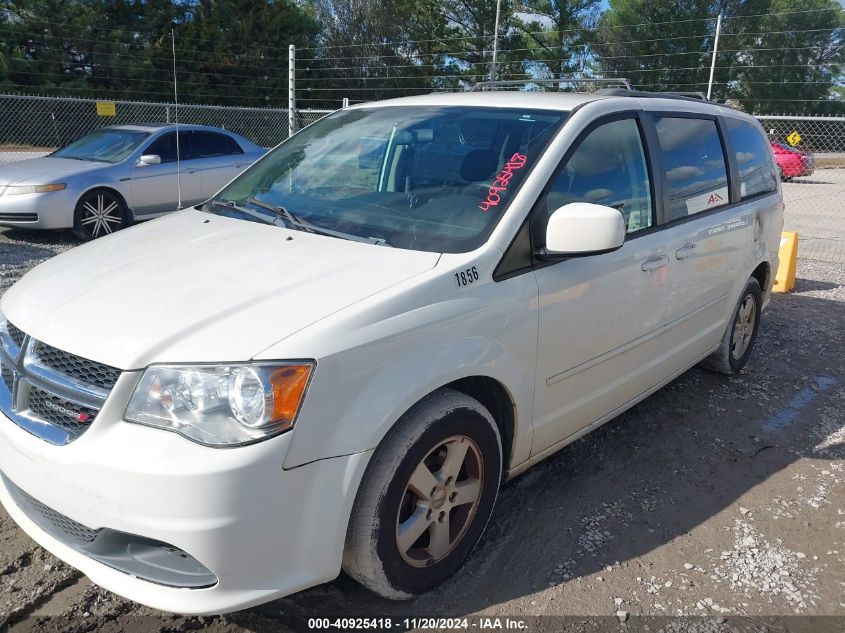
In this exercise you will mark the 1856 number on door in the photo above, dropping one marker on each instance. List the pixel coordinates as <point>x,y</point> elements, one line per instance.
<point>466,277</point>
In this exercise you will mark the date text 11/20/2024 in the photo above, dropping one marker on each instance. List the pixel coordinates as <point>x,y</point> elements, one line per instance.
<point>440,624</point>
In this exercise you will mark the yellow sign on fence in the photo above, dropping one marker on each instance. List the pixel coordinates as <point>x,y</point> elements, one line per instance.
<point>794,138</point>
<point>788,259</point>
<point>106,108</point>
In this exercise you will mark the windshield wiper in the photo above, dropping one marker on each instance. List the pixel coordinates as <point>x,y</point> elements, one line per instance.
<point>304,225</point>
<point>228,204</point>
<point>281,211</point>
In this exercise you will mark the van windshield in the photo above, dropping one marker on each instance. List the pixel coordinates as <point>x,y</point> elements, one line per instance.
<point>425,178</point>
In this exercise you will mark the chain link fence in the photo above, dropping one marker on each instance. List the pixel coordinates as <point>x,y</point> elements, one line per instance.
<point>811,155</point>
<point>32,126</point>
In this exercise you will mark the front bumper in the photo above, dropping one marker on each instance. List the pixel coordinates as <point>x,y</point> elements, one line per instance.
<point>262,531</point>
<point>52,210</point>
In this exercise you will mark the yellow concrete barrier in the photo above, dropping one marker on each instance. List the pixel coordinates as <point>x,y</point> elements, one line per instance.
<point>788,256</point>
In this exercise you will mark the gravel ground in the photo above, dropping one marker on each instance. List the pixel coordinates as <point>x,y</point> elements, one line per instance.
<point>715,505</point>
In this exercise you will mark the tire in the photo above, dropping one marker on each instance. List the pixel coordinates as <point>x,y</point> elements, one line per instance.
<point>443,428</point>
<point>99,212</point>
<point>740,335</point>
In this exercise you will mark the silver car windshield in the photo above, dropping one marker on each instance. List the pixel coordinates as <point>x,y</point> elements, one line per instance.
<point>423,178</point>
<point>106,145</point>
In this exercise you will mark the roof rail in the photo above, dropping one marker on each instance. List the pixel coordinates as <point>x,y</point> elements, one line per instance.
<point>682,96</point>
<point>692,94</point>
<point>486,85</point>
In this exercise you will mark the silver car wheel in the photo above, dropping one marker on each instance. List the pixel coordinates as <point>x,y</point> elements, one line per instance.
<point>743,329</point>
<point>440,501</point>
<point>100,213</point>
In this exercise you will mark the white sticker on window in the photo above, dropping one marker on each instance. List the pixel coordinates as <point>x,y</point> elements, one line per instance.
<point>709,200</point>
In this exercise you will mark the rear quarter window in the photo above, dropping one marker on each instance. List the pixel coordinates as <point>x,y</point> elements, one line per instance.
<point>209,144</point>
<point>757,172</point>
<point>696,170</point>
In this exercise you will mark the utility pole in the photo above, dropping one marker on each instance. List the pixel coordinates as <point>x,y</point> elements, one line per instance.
<point>176,110</point>
<point>495,41</point>
<point>715,50</point>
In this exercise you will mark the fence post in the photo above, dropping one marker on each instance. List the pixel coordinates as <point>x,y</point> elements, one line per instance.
<point>291,90</point>
<point>345,102</point>
<point>715,50</point>
<point>495,41</point>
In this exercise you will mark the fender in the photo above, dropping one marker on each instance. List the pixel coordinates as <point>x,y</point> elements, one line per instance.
<point>379,357</point>
<point>97,179</point>
<point>393,387</point>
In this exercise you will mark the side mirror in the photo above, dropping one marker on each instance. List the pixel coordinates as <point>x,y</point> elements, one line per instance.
<point>579,229</point>
<point>149,159</point>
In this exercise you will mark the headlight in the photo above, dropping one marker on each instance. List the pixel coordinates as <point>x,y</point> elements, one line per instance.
<point>222,405</point>
<point>13,190</point>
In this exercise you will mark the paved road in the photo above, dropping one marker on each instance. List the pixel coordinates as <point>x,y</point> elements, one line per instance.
<point>815,207</point>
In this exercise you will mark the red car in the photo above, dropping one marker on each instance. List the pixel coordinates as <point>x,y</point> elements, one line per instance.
<point>793,162</point>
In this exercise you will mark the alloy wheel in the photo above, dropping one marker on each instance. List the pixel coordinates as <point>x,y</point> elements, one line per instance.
<point>101,214</point>
<point>440,501</point>
<point>743,330</point>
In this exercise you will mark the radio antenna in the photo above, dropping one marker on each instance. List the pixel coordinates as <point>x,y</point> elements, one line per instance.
<point>176,120</point>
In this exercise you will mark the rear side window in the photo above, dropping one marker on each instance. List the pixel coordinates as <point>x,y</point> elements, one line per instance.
<point>608,167</point>
<point>208,144</point>
<point>757,173</point>
<point>696,170</point>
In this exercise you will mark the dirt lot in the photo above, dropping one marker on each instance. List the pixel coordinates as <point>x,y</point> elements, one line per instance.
<point>717,497</point>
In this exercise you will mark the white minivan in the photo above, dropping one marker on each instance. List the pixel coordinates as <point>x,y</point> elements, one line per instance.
<point>336,361</point>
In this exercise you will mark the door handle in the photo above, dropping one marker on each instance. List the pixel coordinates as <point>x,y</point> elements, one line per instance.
<point>655,262</point>
<point>191,171</point>
<point>685,250</point>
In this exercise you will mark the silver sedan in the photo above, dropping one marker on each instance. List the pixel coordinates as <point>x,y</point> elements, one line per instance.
<point>107,179</point>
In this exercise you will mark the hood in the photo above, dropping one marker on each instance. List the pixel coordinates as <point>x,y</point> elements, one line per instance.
<point>196,287</point>
<point>38,171</point>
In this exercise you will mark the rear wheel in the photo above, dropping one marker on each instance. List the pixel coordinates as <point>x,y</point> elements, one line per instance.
<point>739,338</point>
<point>426,498</point>
<point>99,212</point>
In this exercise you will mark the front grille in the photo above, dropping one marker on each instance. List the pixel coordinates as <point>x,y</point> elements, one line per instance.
<point>71,416</point>
<point>82,369</point>
<point>15,334</point>
<point>54,395</point>
<point>7,376</point>
<point>19,217</point>
<point>52,522</point>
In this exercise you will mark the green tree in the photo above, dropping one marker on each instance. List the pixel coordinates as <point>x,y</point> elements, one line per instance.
<point>236,51</point>
<point>472,27</point>
<point>43,47</point>
<point>657,45</point>
<point>557,34</point>
<point>789,60</point>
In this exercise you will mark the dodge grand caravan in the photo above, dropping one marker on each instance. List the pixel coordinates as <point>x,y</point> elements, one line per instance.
<point>335,361</point>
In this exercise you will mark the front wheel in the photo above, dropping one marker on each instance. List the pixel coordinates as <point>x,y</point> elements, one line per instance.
<point>739,338</point>
<point>426,498</point>
<point>99,212</point>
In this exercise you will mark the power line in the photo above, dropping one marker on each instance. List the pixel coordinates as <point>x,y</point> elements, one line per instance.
<point>96,91</point>
<point>584,29</point>
<point>156,35</point>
